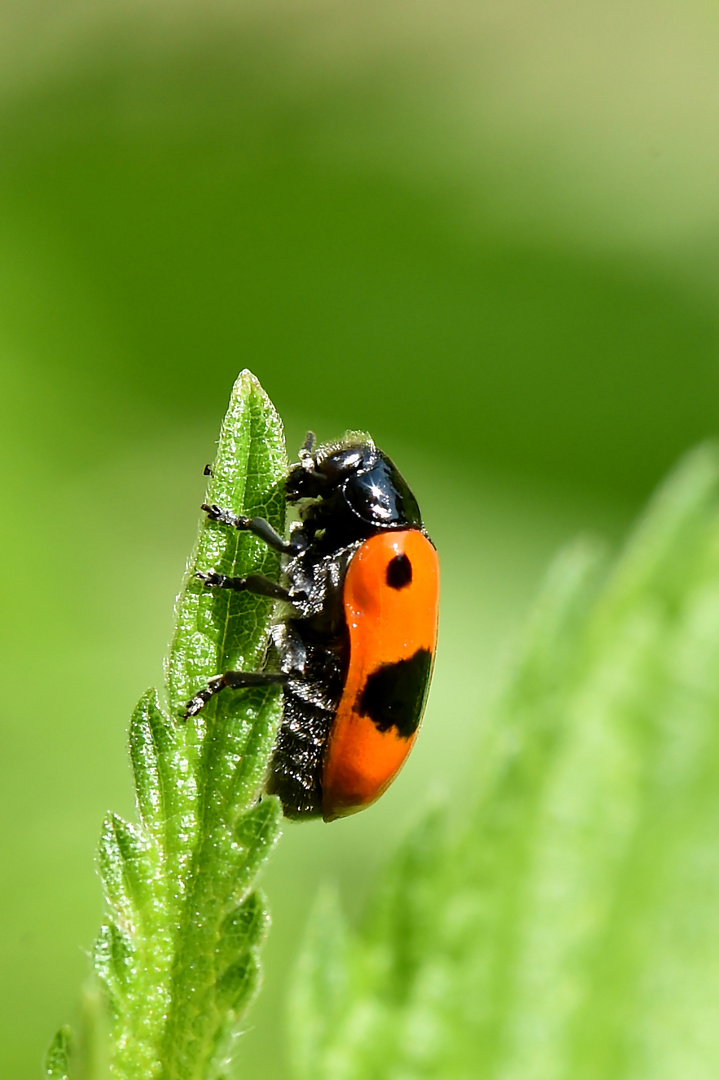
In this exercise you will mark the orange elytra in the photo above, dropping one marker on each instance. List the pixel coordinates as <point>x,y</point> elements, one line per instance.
<point>390,599</point>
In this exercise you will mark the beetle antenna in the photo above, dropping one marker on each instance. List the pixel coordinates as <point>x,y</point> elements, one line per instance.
<point>307,460</point>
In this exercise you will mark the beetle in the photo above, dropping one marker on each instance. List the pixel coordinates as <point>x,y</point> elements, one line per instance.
<point>356,649</point>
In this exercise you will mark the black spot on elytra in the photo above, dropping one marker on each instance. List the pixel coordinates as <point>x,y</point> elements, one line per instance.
<point>394,694</point>
<point>399,572</point>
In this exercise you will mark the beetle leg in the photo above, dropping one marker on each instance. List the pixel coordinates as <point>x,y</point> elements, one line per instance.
<point>254,583</point>
<point>236,680</point>
<point>258,526</point>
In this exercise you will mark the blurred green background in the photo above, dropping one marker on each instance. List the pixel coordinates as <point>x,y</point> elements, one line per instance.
<point>488,233</point>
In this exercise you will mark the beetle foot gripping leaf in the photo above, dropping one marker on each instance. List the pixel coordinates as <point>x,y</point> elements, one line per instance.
<point>179,956</point>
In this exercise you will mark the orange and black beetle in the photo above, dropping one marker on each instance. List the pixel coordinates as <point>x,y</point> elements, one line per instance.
<point>357,647</point>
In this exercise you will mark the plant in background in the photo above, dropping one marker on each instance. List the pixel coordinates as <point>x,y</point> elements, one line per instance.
<point>178,957</point>
<point>569,929</point>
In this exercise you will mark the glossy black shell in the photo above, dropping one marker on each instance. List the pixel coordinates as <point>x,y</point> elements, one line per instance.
<point>354,490</point>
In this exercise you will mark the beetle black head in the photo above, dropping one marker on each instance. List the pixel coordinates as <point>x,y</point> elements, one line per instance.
<point>354,482</point>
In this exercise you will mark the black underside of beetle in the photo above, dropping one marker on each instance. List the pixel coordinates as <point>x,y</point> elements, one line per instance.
<point>310,701</point>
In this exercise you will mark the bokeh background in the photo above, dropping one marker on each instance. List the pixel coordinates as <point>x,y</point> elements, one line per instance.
<point>486,232</point>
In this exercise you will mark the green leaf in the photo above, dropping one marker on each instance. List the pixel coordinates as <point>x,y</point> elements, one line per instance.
<point>87,1057</point>
<point>243,933</point>
<point>318,1003</point>
<point>570,928</point>
<point>159,769</point>
<point>57,1062</point>
<point>220,879</point>
<point>403,912</point>
<point>178,959</point>
<point>127,865</point>
<point>114,959</point>
<point>222,630</point>
<point>243,929</point>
